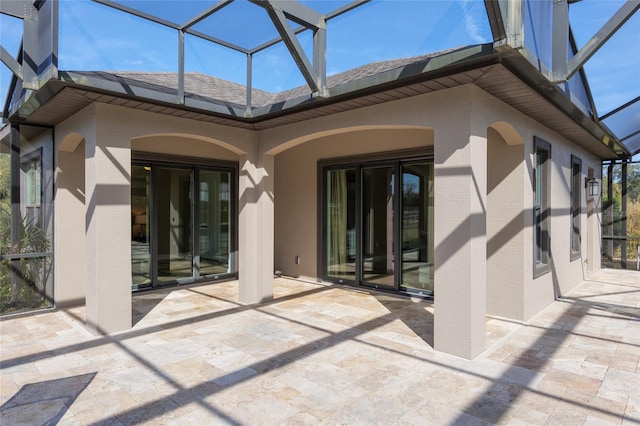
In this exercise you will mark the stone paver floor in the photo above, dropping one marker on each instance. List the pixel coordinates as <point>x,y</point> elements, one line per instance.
<point>324,355</point>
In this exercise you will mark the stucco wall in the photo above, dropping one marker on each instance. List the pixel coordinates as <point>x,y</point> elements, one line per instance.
<point>505,226</point>
<point>464,114</point>
<point>534,294</point>
<point>93,261</point>
<point>511,290</point>
<point>296,218</point>
<point>183,146</point>
<point>564,273</point>
<point>70,205</point>
<point>70,211</point>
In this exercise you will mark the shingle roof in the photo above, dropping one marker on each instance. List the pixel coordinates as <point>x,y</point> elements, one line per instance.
<point>206,87</point>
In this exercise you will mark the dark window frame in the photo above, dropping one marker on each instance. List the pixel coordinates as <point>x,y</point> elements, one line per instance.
<point>541,207</point>
<point>139,158</point>
<point>575,241</point>
<point>357,162</point>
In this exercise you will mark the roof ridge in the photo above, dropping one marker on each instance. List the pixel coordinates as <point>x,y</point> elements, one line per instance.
<point>221,90</point>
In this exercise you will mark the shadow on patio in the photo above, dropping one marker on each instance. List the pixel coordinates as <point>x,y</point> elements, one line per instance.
<point>330,354</point>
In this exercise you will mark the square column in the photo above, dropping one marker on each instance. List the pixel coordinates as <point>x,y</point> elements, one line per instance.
<point>108,232</point>
<point>460,243</point>
<point>256,228</point>
<point>70,270</point>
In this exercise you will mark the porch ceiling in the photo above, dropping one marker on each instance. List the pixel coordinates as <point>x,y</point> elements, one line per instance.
<point>503,77</point>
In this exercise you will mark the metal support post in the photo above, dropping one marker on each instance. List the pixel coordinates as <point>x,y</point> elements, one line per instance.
<point>16,215</point>
<point>181,67</point>
<point>30,55</point>
<point>608,208</point>
<point>320,59</point>
<point>248,109</point>
<point>623,218</point>
<point>560,35</point>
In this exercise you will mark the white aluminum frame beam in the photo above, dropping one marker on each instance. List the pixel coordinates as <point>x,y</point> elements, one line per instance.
<point>138,13</point>
<point>299,13</point>
<point>17,8</point>
<point>206,13</point>
<point>279,18</point>
<point>560,37</point>
<point>10,62</point>
<point>623,14</point>
<point>496,23</point>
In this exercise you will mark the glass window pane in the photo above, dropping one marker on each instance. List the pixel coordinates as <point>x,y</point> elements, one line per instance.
<point>377,225</point>
<point>174,230</point>
<point>341,224</point>
<point>576,205</point>
<point>417,227</point>
<point>214,225</point>
<point>140,225</point>
<point>541,206</point>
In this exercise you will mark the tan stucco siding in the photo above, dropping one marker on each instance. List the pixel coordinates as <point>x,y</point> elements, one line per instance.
<point>182,145</point>
<point>296,188</point>
<point>450,120</point>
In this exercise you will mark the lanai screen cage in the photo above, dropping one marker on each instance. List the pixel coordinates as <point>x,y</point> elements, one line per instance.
<point>278,58</point>
<point>621,214</point>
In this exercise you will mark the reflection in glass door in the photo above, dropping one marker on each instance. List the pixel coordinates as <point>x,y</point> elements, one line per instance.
<point>182,223</point>
<point>341,224</point>
<point>417,227</point>
<point>214,223</point>
<point>174,228</point>
<point>140,226</point>
<point>377,225</point>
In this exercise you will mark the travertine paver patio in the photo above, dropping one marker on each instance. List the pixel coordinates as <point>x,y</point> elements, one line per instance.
<point>325,354</point>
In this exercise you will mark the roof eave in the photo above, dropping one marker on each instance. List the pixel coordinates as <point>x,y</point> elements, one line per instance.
<point>460,60</point>
<point>524,70</point>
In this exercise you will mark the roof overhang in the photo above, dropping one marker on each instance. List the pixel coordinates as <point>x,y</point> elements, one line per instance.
<point>506,74</point>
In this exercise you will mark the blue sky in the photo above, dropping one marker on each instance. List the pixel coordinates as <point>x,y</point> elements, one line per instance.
<point>95,37</point>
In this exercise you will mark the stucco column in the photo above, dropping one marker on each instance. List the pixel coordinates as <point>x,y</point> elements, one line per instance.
<point>460,243</point>
<point>70,267</point>
<point>256,228</point>
<point>108,231</point>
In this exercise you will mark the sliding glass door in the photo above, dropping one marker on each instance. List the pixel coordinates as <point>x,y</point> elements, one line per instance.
<point>341,224</point>
<point>417,227</point>
<point>140,226</point>
<point>174,232</point>
<point>182,224</point>
<point>378,225</point>
<point>214,224</point>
